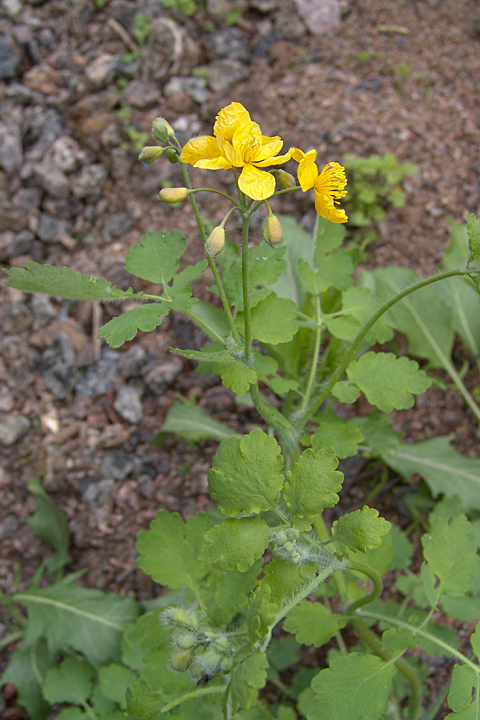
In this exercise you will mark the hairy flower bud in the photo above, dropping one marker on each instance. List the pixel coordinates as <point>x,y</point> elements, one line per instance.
<point>181,661</point>
<point>285,180</point>
<point>215,242</point>
<point>272,231</point>
<point>172,195</point>
<point>162,130</point>
<point>150,153</point>
<point>178,617</point>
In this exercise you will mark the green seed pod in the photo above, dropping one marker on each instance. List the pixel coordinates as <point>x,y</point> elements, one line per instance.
<point>171,154</point>
<point>272,231</point>
<point>162,130</point>
<point>150,153</point>
<point>215,242</point>
<point>181,661</point>
<point>285,180</point>
<point>172,195</point>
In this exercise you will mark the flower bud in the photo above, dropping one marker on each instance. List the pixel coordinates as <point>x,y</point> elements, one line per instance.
<point>172,195</point>
<point>272,231</point>
<point>215,242</point>
<point>285,180</point>
<point>150,153</point>
<point>181,661</point>
<point>178,617</point>
<point>162,130</point>
<point>171,154</point>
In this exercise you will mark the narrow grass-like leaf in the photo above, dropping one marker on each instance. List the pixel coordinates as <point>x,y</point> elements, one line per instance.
<point>50,525</point>
<point>193,423</point>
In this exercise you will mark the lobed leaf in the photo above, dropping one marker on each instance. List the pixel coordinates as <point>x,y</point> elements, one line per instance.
<point>69,682</point>
<point>65,283</point>
<point>169,549</point>
<point>274,320</point>
<point>245,476</point>
<point>123,328</point>
<point>313,623</point>
<point>464,682</point>
<point>156,257</point>
<point>247,678</point>
<point>25,670</point>
<point>313,483</point>
<point>340,435</point>
<point>359,531</point>
<point>114,680</point>
<point>358,306</point>
<point>236,544</point>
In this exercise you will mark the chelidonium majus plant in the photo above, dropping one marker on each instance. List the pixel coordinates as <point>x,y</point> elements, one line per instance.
<point>290,333</point>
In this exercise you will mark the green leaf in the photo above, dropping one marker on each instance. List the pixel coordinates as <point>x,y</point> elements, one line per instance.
<point>63,282</point>
<point>169,550</point>
<point>345,392</point>
<point>285,579</point>
<point>464,681</point>
<point>143,703</point>
<point>247,678</point>
<point>273,320</point>
<point>335,270</point>
<point>398,640</point>
<point>245,476</point>
<point>114,681</point>
<point>387,381</point>
<point>123,328</point>
<point>182,282</point>
<point>70,682</point>
<point>50,525</point>
<point>228,593</point>
<point>236,544</point>
<point>380,558</point>
<point>359,530</point>
<point>147,633</point>
<point>444,469</point>
<point>298,243</point>
<point>313,623</point>
<point>356,687</point>
<point>156,257</point>
<point>342,436</point>
<point>313,483</point>
<point>403,548</point>
<point>26,670</point>
<point>473,230</point>
<point>265,266</point>
<point>358,305</point>
<point>281,385</point>
<point>261,614</point>
<point>236,375</point>
<point>379,433</point>
<point>193,423</point>
<point>451,552</point>
<point>416,315</point>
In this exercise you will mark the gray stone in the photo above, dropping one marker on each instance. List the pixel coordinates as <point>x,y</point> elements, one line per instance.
<point>98,378</point>
<point>264,6</point>
<point>23,94</point>
<point>121,163</point>
<point>194,87</point>
<point>11,117</point>
<point>51,179</point>
<point>141,94</point>
<point>221,74</point>
<point>11,7</point>
<point>58,366</point>
<point>160,376</point>
<point>27,199</point>
<point>43,125</point>
<point>10,57</point>
<point>131,363</point>
<point>117,223</point>
<point>116,464</point>
<point>128,404</point>
<point>12,428</point>
<point>229,43</point>
<point>90,180</point>
<point>42,308</point>
<point>101,71</point>
<point>319,16</point>
<point>221,8</point>
<point>66,154</point>
<point>98,491</point>
<point>22,244</point>
<point>51,228</point>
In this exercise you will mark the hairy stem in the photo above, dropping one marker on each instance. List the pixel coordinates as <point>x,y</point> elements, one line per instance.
<point>377,586</point>
<point>316,354</point>
<point>246,296</point>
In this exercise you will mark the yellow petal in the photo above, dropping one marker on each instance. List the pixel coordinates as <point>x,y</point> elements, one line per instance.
<point>247,140</point>
<point>201,148</point>
<point>270,146</point>
<point>325,207</point>
<point>228,119</point>
<point>307,170</point>
<point>297,154</point>
<point>227,151</point>
<point>277,160</point>
<point>332,181</point>
<point>257,184</point>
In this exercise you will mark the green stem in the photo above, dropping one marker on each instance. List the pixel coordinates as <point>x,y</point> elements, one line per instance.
<point>212,190</point>
<point>13,637</point>
<point>316,354</point>
<point>377,585</point>
<point>211,262</point>
<point>208,690</point>
<point>432,711</point>
<point>272,417</point>
<point>354,347</point>
<point>246,296</point>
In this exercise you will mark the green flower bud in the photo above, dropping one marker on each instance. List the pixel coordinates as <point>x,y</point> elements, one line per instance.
<point>285,180</point>
<point>215,242</point>
<point>150,153</point>
<point>162,130</point>
<point>178,617</point>
<point>209,661</point>
<point>272,231</point>
<point>171,154</point>
<point>181,661</point>
<point>185,640</point>
<point>172,195</point>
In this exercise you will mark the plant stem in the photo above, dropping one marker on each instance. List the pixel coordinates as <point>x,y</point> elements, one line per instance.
<point>246,296</point>
<point>354,347</point>
<point>13,637</point>
<point>377,585</point>
<point>211,262</point>
<point>208,690</point>
<point>437,703</point>
<point>316,354</point>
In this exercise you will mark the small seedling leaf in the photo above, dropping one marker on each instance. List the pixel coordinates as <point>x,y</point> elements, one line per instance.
<point>313,483</point>
<point>359,531</point>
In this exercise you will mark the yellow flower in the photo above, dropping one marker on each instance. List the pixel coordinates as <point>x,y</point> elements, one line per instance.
<point>238,142</point>
<point>328,185</point>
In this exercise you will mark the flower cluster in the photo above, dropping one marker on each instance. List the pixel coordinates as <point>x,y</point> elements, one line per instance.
<point>238,142</point>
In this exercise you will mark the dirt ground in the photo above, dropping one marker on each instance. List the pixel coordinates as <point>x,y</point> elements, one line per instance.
<point>393,75</point>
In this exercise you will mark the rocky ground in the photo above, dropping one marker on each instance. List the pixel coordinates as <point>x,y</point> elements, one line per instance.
<point>79,87</point>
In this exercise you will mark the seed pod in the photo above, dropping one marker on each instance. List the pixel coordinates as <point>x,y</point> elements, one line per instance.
<point>285,180</point>
<point>162,130</point>
<point>272,231</point>
<point>215,242</point>
<point>172,195</point>
<point>150,153</point>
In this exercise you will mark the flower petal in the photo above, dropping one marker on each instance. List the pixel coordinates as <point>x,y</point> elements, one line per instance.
<point>297,154</point>
<point>247,140</point>
<point>229,118</point>
<point>203,152</point>
<point>257,184</point>
<point>325,207</point>
<point>307,170</point>
<point>227,151</point>
<point>277,160</point>
<point>270,146</point>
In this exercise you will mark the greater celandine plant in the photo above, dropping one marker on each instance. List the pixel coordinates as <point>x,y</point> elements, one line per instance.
<point>290,334</point>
